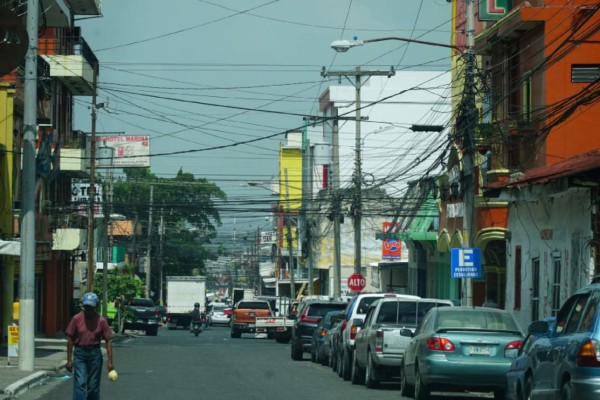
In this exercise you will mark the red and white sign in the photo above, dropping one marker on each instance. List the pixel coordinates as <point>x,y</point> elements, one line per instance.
<point>356,282</point>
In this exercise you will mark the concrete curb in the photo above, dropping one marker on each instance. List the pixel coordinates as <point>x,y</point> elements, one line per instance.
<point>25,383</point>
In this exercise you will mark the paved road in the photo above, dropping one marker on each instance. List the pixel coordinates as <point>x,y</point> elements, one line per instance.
<point>177,365</point>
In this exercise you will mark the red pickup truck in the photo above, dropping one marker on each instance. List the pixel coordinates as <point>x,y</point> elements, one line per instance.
<point>243,317</point>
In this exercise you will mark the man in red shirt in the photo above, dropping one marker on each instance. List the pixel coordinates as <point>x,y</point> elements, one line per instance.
<point>85,332</point>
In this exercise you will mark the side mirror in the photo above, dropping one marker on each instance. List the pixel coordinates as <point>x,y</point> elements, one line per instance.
<point>539,328</point>
<point>406,332</point>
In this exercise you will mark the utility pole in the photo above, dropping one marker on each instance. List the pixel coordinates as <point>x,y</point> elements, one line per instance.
<point>160,257</point>
<point>148,250</point>
<point>337,253</point>
<point>258,253</point>
<point>91,267</point>
<point>357,177</point>
<point>289,238</point>
<point>468,126</point>
<point>27,267</point>
<point>105,256</point>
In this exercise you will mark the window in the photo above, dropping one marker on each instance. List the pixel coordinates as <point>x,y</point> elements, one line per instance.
<point>563,313</point>
<point>585,73</point>
<point>556,287</point>
<point>535,289</point>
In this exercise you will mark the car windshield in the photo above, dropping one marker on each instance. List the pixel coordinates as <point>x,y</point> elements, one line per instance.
<point>253,305</point>
<point>479,319</point>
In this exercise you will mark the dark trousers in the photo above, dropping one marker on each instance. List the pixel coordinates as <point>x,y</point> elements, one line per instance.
<point>87,370</point>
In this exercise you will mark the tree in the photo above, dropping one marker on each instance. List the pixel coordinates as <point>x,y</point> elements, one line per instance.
<point>188,206</point>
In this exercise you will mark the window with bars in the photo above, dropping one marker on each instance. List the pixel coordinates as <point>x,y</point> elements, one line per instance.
<point>556,287</point>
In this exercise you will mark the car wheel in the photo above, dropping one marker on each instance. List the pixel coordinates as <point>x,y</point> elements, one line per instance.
<point>370,380</point>
<point>296,351</point>
<point>405,389</point>
<point>152,331</point>
<point>313,354</point>
<point>565,392</point>
<point>357,375</point>
<point>331,359</point>
<point>235,334</point>
<point>346,366</point>
<point>282,339</point>
<point>422,391</point>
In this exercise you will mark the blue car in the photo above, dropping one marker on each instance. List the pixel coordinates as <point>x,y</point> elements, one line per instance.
<point>560,358</point>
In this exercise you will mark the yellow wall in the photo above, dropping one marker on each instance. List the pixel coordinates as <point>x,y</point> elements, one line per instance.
<point>6,158</point>
<point>290,159</point>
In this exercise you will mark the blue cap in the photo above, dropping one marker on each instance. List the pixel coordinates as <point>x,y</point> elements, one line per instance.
<point>90,299</point>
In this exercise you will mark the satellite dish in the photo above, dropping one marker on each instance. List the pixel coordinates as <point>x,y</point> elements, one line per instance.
<point>13,41</point>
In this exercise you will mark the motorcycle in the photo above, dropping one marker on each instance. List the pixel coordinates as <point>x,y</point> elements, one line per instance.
<point>196,327</point>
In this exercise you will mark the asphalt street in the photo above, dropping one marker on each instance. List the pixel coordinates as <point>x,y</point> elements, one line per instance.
<point>178,365</point>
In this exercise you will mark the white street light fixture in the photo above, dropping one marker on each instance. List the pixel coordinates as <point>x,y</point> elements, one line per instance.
<point>342,46</point>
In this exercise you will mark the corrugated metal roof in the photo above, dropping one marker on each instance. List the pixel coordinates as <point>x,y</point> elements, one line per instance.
<point>573,166</point>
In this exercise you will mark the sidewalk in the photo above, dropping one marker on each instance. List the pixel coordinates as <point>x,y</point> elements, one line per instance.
<point>50,359</point>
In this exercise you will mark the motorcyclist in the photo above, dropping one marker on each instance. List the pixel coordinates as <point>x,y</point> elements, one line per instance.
<point>196,316</point>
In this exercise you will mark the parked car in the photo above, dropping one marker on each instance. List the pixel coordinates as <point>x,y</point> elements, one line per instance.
<point>355,314</point>
<point>216,315</point>
<point>460,349</point>
<point>561,356</point>
<point>378,346</point>
<point>141,314</point>
<point>319,351</point>
<point>310,313</point>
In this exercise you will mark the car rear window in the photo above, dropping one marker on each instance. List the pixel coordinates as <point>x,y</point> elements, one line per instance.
<point>218,308</point>
<point>253,305</point>
<point>142,303</point>
<point>319,310</point>
<point>477,320</point>
<point>405,312</point>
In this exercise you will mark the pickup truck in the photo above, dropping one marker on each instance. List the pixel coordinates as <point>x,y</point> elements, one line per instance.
<point>378,346</point>
<point>244,314</point>
<point>141,314</point>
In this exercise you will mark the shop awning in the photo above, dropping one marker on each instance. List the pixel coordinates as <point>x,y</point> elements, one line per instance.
<point>10,248</point>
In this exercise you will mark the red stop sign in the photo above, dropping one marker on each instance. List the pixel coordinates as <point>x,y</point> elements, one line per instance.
<point>356,282</point>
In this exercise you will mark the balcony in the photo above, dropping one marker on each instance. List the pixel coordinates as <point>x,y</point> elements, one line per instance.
<point>75,69</point>
<point>86,7</point>
<point>69,239</point>
<point>75,162</point>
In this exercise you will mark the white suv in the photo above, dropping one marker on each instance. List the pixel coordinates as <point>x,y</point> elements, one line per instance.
<point>355,312</point>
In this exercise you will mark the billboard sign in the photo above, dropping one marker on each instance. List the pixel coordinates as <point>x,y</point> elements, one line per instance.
<point>129,150</point>
<point>80,197</point>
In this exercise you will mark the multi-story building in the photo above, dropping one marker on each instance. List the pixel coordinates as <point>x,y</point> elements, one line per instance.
<point>544,69</point>
<point>65,70</point>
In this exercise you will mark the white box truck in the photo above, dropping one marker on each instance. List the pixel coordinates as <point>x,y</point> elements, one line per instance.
<point>182,293</point>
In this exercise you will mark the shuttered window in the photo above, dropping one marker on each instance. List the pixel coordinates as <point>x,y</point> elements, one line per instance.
<point>585,73</point>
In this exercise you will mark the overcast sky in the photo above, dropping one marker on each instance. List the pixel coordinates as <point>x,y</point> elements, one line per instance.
<point>196,75</point>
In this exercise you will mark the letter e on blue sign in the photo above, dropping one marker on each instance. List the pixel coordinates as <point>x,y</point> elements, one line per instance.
<point>465,263</point>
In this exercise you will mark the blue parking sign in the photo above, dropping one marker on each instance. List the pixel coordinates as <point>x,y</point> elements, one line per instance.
<point>465,263</point>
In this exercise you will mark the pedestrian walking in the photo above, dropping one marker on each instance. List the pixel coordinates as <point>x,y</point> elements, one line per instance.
<point>84,356</point>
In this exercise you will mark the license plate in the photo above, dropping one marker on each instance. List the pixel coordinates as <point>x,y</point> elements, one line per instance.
<point>479,350</point>
<point>251,314</point>
<point>261,330</point>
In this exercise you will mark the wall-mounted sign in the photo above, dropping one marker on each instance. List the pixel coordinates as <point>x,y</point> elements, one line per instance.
<point>491,10</point>
<point>465,263</point>
<point>391,248</point>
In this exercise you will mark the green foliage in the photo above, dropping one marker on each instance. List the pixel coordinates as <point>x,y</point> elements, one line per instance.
<point>122,284</point>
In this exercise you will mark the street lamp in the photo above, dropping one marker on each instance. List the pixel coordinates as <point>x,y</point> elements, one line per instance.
<point>342,46</point>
